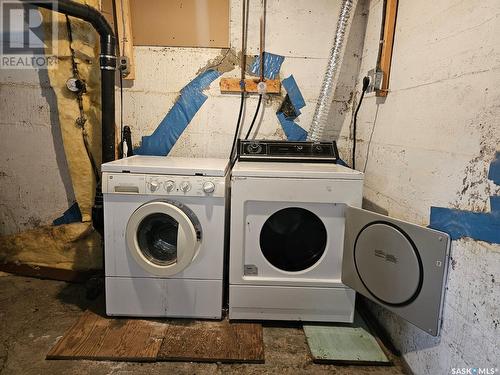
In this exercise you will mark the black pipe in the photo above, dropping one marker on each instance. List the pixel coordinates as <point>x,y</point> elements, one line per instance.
<point>107,60</point>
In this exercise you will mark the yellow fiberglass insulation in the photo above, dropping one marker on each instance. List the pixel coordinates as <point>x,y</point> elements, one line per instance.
<point>86,47</point>
<point>74,246</point>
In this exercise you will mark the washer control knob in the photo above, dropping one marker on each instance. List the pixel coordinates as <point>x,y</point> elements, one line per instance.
<point>208,187</point>
<point>169,185</point>
<point>154,185</point>
<point>185,186</point>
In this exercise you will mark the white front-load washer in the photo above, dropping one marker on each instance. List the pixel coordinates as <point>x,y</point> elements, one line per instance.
<point>299,242</point>
<point>164,236</point>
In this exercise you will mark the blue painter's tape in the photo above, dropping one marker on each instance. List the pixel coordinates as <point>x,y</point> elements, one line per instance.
<point>457,223</point>
<point>478,225</point>
<point>71,215</point>
<point>293,131</point>
<point>272,65</point>
<point>494,173</point>
<point>341,162</point>
<point>177,119</point>
<point>495,203</point>
<point>294,93</point>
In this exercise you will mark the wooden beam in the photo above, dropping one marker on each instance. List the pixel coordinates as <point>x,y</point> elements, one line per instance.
<point>50,273</point>
<point>232,85</point>
<point>125,36</point>
<point>388,42</point>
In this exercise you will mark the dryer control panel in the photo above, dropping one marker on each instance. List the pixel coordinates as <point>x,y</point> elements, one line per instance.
<point>161,185</point>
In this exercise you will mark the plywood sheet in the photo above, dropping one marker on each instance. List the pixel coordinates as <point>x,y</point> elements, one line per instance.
<point>203,341</point>
<point>99,338</point>
<point>180,23</point>
<point>344,344</point>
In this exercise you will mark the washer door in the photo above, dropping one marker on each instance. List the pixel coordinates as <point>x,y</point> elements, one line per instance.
<point>163,237</point>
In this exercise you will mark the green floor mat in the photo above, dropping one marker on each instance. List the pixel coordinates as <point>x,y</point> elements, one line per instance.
<point>344,344</point>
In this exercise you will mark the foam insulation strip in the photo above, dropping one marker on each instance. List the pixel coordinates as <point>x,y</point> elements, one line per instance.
<point>477,225</point>
<point>272,65</point>
<point>180,115</point>
<point>74,246</point>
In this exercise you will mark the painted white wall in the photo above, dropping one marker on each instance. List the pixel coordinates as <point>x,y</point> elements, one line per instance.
<point>430,143</point>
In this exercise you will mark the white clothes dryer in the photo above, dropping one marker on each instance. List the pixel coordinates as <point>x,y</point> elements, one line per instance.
<point>299,242</point>
<point>164,236</point>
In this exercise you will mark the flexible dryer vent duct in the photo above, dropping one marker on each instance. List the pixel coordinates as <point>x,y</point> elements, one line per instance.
<point>332,71</point>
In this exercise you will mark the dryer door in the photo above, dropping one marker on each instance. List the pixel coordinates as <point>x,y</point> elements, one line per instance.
<point>399,265</point>
<point>163,237</point>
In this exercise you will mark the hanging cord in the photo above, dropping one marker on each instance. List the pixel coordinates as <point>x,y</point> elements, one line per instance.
<point>82,119</point>
<point>261,67</point>
<point>233,154</point>
<point>366,82</point>
<point>120,48</point>
<point>254,117</point>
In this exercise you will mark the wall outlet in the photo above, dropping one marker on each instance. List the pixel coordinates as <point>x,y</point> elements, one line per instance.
<point>376,77</point>
<point>124,66</point>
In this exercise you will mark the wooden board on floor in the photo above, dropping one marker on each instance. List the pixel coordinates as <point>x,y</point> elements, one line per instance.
<point>97,337</point>
<point>203,341</point>
<point>50,273</point>
<point>100,338</point>
<point>344,344</point>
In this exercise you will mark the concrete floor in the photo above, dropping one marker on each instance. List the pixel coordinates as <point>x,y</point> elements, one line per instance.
<point>34,314</point>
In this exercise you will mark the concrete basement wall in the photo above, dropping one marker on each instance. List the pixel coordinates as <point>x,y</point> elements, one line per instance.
<point>430,143</point>
<point>299,30</point>
<point>35,184</point>
<point>34,179</point>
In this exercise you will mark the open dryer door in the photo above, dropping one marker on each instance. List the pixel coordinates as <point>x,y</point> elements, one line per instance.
<point>401,266</point>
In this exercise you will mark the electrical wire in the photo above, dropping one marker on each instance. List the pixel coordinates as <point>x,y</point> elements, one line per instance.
<point>120,48</point>
<point>370,140</point>
<point>261,67</point>
<point>121,115</point>
<point>366,82</point>
<point>244,24</point>
<point>237,130</point>
<point>254,116</point>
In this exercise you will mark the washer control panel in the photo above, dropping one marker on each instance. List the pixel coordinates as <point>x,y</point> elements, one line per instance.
<point>171,185</point>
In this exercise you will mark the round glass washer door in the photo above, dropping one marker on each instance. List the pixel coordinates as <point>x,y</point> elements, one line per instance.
<point>162,237</point>
<point>293,239</point>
